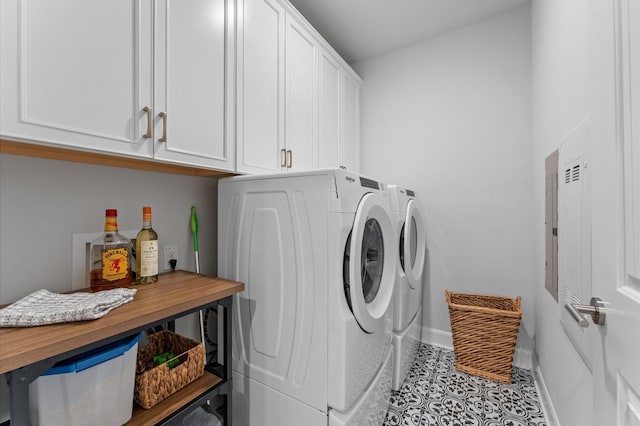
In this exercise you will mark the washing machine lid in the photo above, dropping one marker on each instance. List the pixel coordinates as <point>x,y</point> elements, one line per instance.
<point>371,262</point>
<point>414,245</point>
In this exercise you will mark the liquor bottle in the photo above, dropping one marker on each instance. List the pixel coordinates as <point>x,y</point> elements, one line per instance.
<point>147,250</point>
<point>110,256</point>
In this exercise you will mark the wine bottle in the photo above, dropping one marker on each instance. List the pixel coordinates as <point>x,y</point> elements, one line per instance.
<point>110,256</point>
<point>147,250</point>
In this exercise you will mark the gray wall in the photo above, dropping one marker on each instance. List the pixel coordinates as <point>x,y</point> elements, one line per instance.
<point>449,117</point>
<point>43,202</point>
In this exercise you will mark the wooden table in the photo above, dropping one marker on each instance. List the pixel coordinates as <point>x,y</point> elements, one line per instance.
<point>25,353</point>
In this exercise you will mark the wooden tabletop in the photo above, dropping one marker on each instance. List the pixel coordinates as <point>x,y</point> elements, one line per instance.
<point>175,293</point>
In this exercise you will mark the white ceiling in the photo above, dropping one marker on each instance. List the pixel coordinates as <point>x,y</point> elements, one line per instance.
<point>358,29</point>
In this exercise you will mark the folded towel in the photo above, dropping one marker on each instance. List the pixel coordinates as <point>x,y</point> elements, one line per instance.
<point>44,307</point>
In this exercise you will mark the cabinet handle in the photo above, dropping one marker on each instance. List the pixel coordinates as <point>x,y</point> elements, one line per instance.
<point>290,158</point>
<point>283,158</point>
<point>149,112</point>
<point>164,127</point>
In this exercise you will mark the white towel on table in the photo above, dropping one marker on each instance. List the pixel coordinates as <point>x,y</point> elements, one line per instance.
<point>44,307</point>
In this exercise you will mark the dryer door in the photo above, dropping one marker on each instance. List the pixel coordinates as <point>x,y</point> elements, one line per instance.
<point>370,262</point>
<point>413,249</point>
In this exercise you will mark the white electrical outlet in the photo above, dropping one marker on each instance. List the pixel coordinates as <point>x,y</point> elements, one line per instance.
<point>170,252</point>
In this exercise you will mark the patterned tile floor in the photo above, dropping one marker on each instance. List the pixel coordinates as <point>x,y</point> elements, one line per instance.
<point>435,393</point>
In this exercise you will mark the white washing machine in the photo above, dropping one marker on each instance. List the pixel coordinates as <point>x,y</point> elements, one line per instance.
<point>312,329</point>
<point>410,251</point>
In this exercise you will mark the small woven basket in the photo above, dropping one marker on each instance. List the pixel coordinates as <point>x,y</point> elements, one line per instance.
<point>157,383</point>
<point>485,330</point>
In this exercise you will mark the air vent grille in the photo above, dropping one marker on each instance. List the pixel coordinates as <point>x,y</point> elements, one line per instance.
<point>572,174</point>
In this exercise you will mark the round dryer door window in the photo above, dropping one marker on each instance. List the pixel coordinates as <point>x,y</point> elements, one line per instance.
<point>414,245</point>
<point>369,263</point>
<point>372,259</point>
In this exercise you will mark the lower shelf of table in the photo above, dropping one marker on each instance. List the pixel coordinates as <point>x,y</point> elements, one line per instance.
<point>175,402</point>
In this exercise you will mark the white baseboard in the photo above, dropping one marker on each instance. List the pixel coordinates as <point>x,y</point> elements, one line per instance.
<point>522,358</point>
<point>543,393</point>
<point>437,338</point>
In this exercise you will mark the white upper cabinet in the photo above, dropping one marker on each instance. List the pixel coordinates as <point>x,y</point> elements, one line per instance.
<point>232,85</point>
<point>329,146</point>
<point>76,73</point>
<point>260,86</point>
<point>193,77</point>
<point>277,101</point>
<point>301,97</point>
<point>339,128</point>
<point>294,106</point>
<point>83,74</point>
<point>350,112</point>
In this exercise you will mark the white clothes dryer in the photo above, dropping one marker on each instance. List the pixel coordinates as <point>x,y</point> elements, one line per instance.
<point>312,329</point>
<point>411,255</point>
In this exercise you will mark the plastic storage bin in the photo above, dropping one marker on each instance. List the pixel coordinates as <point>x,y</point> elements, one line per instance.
<point>93,389</point>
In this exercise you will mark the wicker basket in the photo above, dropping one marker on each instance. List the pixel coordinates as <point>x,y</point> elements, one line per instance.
<point>155,384</point>
<point>485,330</point>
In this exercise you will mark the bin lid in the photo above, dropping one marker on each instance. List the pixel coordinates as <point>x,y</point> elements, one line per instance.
<point>94,357</point>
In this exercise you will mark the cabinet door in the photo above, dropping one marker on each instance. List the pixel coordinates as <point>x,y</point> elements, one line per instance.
<point>350,123</point>
<point>260,81</point>
<point>301,98</point>
<point>329,118</point>
<point>77,73</point>
<point>192,83</point>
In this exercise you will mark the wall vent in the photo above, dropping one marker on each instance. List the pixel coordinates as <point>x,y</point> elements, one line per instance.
<point>572,174</point>
<point>575,173</point>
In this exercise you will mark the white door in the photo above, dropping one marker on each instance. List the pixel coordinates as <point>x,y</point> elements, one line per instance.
<point>371,262</point>
<point>193,68</point>
<point>615,171</point>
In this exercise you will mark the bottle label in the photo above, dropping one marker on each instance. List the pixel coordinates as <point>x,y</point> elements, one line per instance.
<point>111,224</point>
<point>148,258</point>
<point>115,264</point>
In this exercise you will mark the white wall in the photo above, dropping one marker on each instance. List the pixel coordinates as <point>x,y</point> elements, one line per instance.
<point>43,202</point>
<point>560,101</point>
<point>449,117</point>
